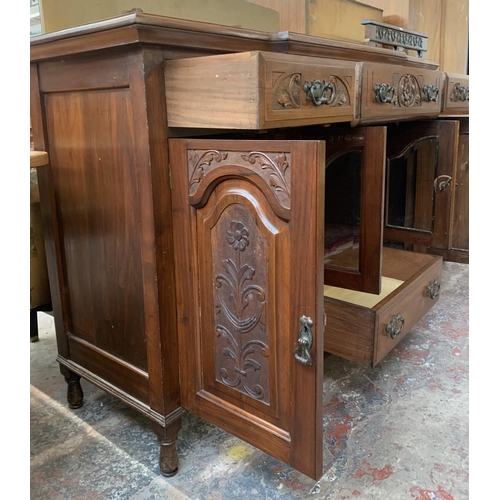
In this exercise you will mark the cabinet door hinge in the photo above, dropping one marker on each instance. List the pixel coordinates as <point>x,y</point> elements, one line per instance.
<point>324,319</point>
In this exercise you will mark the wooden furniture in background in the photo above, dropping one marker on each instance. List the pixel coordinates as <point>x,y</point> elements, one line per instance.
<point>39,278</point>
<point>431,159</point>
<point>147,225</point>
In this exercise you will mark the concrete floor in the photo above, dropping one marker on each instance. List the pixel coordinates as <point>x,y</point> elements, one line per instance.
<point>395,432</point>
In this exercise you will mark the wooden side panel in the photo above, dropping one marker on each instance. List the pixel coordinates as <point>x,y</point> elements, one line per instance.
<point>460,234</point>
<point>249,266</point>
<point>163,358</point>
<point>97,200</point>
<point>113,370</point>
<point>87,72</point>
<point>51,229</point>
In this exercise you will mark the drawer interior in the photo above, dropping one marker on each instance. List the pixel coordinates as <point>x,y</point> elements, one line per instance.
<point>398,266</point>
<point>363,299</point>
<point>356,321</point>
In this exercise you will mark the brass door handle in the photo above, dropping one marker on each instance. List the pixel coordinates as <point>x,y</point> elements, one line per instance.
<point>384,93</point>
<point>459,93</point>
<point>317,92</point>
<point>301,352</point>
<point>433,289</point>
<point>395,326</point>
<point>443,184</point>
<point>431,93</point>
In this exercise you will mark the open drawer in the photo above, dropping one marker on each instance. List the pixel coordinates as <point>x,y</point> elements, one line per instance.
<point>365,327</point>
<point>259,90</point>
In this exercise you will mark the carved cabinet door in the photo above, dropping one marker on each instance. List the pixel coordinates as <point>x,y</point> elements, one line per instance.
<point>420,180</point>
<point>248,226</point>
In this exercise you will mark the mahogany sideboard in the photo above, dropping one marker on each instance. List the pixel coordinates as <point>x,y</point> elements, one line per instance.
<point>215,211</point>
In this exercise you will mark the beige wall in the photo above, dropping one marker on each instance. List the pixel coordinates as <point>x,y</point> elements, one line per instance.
<point>60,14</point>
<point>446,22</point>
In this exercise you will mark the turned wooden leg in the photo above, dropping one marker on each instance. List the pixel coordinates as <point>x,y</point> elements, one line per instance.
<point>75,392</point>
<point>167,436</point>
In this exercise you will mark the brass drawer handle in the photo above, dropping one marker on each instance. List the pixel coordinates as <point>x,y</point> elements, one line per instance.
<point>431,93</point>
<point>442,185</point>
<point>459,93</point>
<point>384,93</point>
<point>433,289</point>
<point>317,92</point>
<point>305,342</point>
<point>395,326</point>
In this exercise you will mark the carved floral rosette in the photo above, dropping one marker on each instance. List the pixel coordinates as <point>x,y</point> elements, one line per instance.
<point>408,92</point>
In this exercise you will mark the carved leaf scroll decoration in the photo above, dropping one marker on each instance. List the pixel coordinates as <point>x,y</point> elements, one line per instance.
<point>241,304</point>
<point>279,178</point>
<point>341,94</point>
<point>273,168</point>
<point>287,92</point>
<point>197,162</point>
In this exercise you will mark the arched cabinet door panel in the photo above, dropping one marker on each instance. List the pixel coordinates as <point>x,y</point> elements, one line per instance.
<point>248,220</point>
<point>420,182</point>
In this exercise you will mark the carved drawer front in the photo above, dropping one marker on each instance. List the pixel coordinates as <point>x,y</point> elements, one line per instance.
<point>365,327</point>
<point>259,90</point>
<point>396,92</point>
<point>456,95</point>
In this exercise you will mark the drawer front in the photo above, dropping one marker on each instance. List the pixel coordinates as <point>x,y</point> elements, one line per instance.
<point>397,316</point>
<point>395,92</point>
<point>259,90</point>
<point>308,90</point>
<point>456,97</point>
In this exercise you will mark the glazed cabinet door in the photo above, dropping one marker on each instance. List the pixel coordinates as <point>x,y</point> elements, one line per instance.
<point>420,180</point>
<point>248,220</point>
<point>354,198</point>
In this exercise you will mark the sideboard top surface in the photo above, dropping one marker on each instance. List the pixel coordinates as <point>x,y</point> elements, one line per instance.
<point>136,27</point>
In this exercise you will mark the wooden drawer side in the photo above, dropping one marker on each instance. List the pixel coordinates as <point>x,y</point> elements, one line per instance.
<point>349,331</point>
